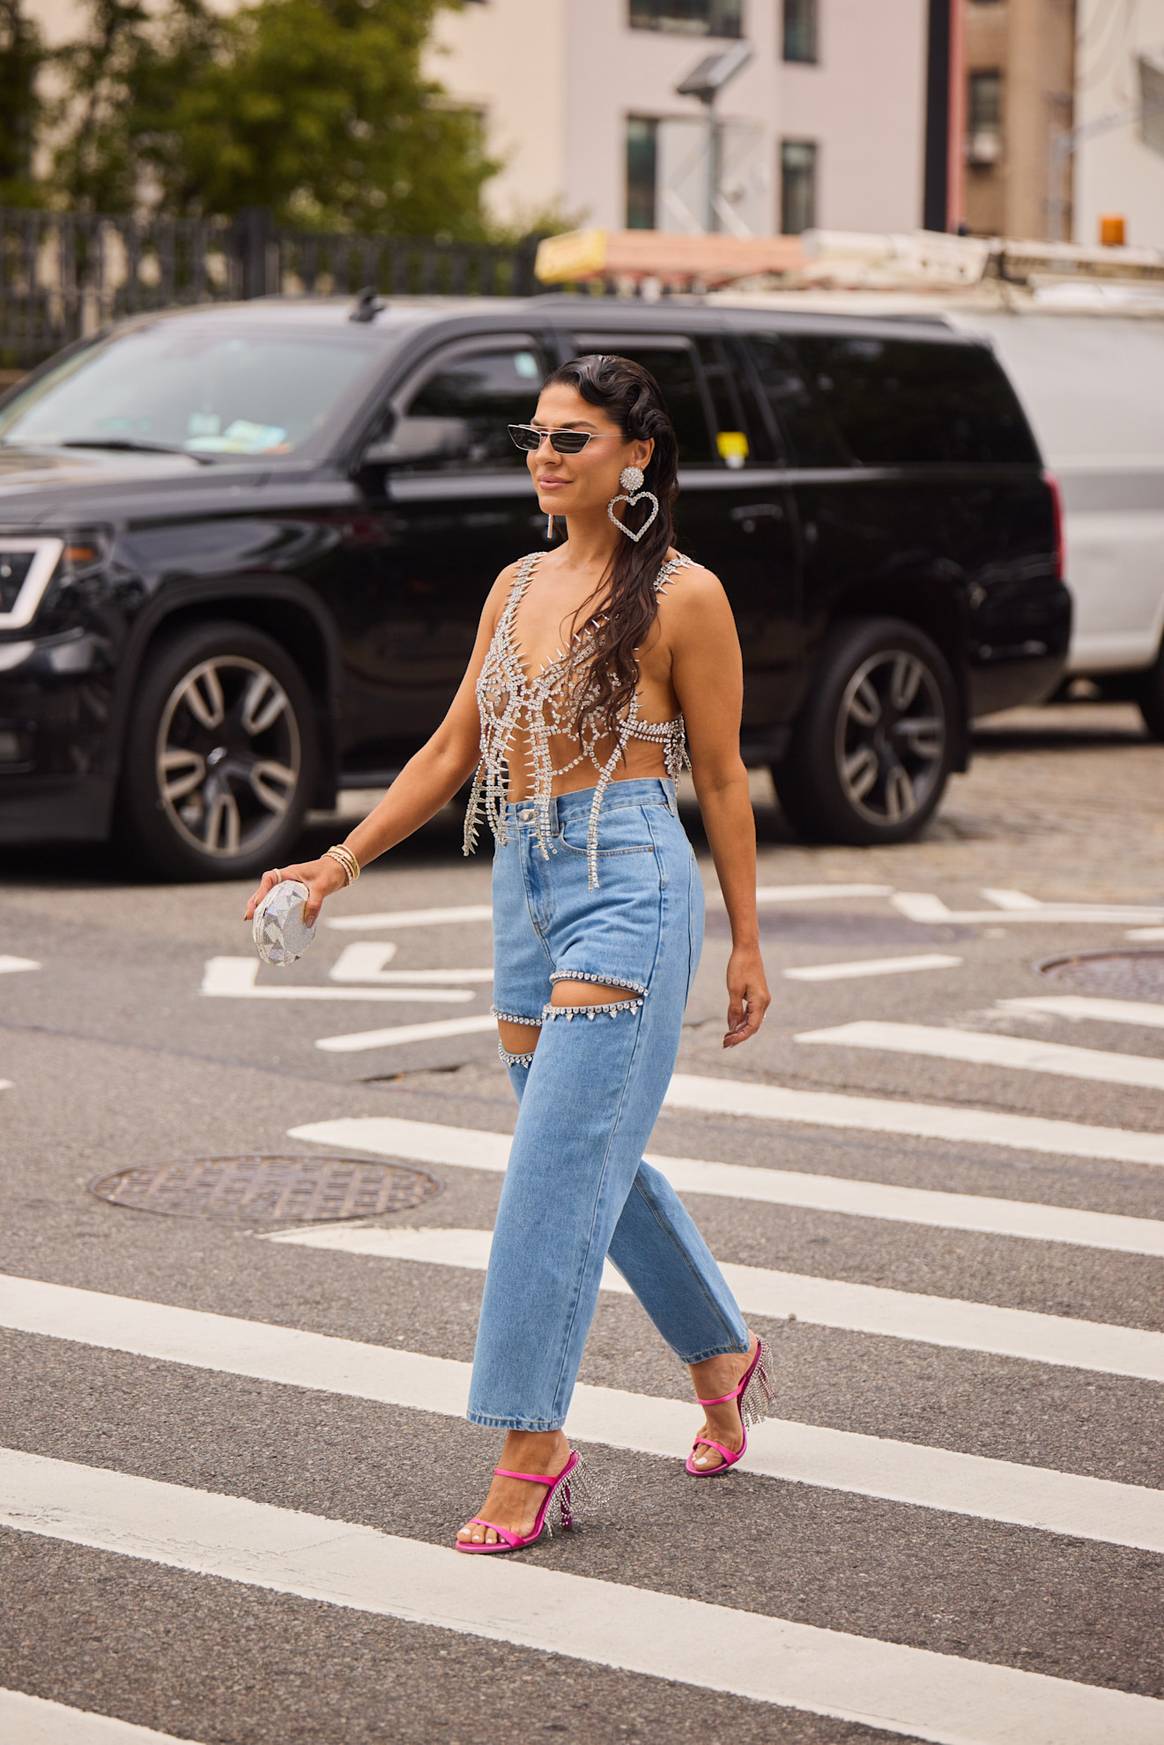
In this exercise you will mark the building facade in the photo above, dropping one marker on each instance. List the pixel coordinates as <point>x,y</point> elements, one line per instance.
<point>1018,65</point>
<point>1118,142</point>
<point>824,124</point>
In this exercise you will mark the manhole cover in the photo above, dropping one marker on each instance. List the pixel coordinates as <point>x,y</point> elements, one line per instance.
<point>1131,975</point>
<point>261,1190</point>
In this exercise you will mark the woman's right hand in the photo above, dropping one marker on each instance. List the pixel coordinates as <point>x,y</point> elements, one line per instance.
<point>322,877</point>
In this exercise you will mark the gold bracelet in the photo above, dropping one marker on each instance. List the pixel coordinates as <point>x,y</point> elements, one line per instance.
<point>342,850</point>
<point>340,853</point>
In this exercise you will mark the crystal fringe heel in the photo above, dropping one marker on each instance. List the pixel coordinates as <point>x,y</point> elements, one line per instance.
<point>575,1487</point>
<point>756,1396</point>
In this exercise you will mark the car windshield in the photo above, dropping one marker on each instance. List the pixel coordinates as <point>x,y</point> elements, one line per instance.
<point>192,388</point>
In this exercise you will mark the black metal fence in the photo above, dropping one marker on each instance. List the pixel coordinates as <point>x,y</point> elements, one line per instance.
<point>63,275</point>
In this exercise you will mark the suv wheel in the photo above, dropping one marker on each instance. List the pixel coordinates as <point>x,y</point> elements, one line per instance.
<point>870,751</point>
<point>220,756</point>
<point>1150,697</point>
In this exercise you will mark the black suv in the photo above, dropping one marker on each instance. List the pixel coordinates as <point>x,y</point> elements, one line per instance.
<point>244,549</point>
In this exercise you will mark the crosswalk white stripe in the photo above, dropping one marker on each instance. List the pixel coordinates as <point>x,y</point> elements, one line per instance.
<point>963,1124</point>
<point>29,1720</point>
<point>984,1048</point>
<point>871,966</point>
<point>1146,1013</point>
<point>449,915</point>
<point>236,978</point>
<point>353,1041</point>
<point>826,1302</point>
<point>8,965</point>
<point>964,1484</point>
<point>889,1685</point>
<point>477,1148</point>
<point>929,909</point>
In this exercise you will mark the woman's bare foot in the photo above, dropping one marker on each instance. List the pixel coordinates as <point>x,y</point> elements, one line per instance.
<point>712,1377</point>
<point>514,1502</point>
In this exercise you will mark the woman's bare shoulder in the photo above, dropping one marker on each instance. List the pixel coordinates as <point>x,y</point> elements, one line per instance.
<point>692,584</point>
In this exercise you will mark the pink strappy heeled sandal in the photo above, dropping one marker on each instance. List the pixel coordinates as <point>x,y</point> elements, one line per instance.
<point>755,1393</point>
<point>572,1482</point>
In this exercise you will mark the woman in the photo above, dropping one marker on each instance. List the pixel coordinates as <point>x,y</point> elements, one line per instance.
<point>598,915</point>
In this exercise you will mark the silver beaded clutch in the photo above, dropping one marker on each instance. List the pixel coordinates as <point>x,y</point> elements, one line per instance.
<point>280,932</point>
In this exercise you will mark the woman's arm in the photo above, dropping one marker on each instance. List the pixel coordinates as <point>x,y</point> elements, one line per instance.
<point>427,781</point>
<point>707,671</point>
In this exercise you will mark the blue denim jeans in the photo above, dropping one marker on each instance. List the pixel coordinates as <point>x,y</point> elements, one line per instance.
<point>577,1187</point>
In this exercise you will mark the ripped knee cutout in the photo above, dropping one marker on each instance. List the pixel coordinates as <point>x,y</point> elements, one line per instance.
<point>593,1009</point>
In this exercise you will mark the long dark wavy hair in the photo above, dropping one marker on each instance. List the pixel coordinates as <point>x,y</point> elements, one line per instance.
<point>630,395</point>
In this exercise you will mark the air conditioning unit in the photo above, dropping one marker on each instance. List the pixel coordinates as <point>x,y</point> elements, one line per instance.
<point>984,148</point>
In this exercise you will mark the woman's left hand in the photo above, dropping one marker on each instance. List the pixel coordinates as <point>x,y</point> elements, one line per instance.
<point>748,996</point>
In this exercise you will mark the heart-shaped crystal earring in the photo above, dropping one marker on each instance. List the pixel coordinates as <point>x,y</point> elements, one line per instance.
<point>630,479</point>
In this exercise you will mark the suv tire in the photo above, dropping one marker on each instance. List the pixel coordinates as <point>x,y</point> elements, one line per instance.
<point>221,754</point>
<point>861,767</point>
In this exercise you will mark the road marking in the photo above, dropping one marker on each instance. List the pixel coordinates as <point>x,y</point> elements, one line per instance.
<point>957,1323</point>
<point>1146,1013</point>
<point>477,1148</point>
<point>448,916</point>
<point>235,978</point>
<point>929,909</point>
<point>1010,899</point>
<point>9,965</point>
<point>889,1685</point>
<point>873,966</point>
<point>1034,1497</point>
<point>352,1042</point>
<point>962,1124</point>
<point>365,961</point>
<point>28,1720</point>
<point>1146,933</point>
<point>810,893</point>
<point>981,1048</point>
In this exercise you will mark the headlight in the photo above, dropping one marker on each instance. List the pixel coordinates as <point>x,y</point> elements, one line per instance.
<point>28,565</point>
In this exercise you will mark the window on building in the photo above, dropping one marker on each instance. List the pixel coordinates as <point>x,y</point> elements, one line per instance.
<point>642,171</point>
<point>798,159</point>
<point>900,402</point>
<point>984,118</point>
<point>692,17</point>
<point>800,30</point>
<point>479,391</point>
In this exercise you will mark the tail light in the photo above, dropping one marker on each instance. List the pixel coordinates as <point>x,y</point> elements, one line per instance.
<point>1052,484</point>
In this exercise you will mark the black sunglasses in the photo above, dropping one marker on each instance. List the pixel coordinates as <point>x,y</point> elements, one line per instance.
<point>562,441</point>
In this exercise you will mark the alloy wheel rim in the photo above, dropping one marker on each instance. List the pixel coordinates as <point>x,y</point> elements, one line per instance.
<point>890,737</point>
<point>228,756</point>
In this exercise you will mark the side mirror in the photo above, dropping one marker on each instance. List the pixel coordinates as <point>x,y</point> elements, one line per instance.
<point>419,439</point>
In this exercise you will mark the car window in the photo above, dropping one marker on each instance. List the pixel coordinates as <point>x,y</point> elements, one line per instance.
<point>487,388</point>
<point>673,362</point>
<point>896,402</point>
<point>194,385</point>
<point>806,432</point>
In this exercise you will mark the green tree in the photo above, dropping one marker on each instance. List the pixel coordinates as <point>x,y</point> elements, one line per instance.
<point>315,109</point>
<point>21,57</point>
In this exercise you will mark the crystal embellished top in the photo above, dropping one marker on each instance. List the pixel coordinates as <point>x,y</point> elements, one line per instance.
<point>506,699</point>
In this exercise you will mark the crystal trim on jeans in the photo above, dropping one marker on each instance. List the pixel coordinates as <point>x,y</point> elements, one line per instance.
<point>508,1059</point>
<point>506,697</point>
<point>608,1008</point>
<point>592,975</point>
<point>513,1017</point>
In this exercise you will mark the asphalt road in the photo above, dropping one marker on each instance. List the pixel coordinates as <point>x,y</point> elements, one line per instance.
<point>232,1456</point>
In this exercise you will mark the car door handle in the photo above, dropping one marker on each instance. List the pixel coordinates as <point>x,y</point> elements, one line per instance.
<point>747,514</point>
